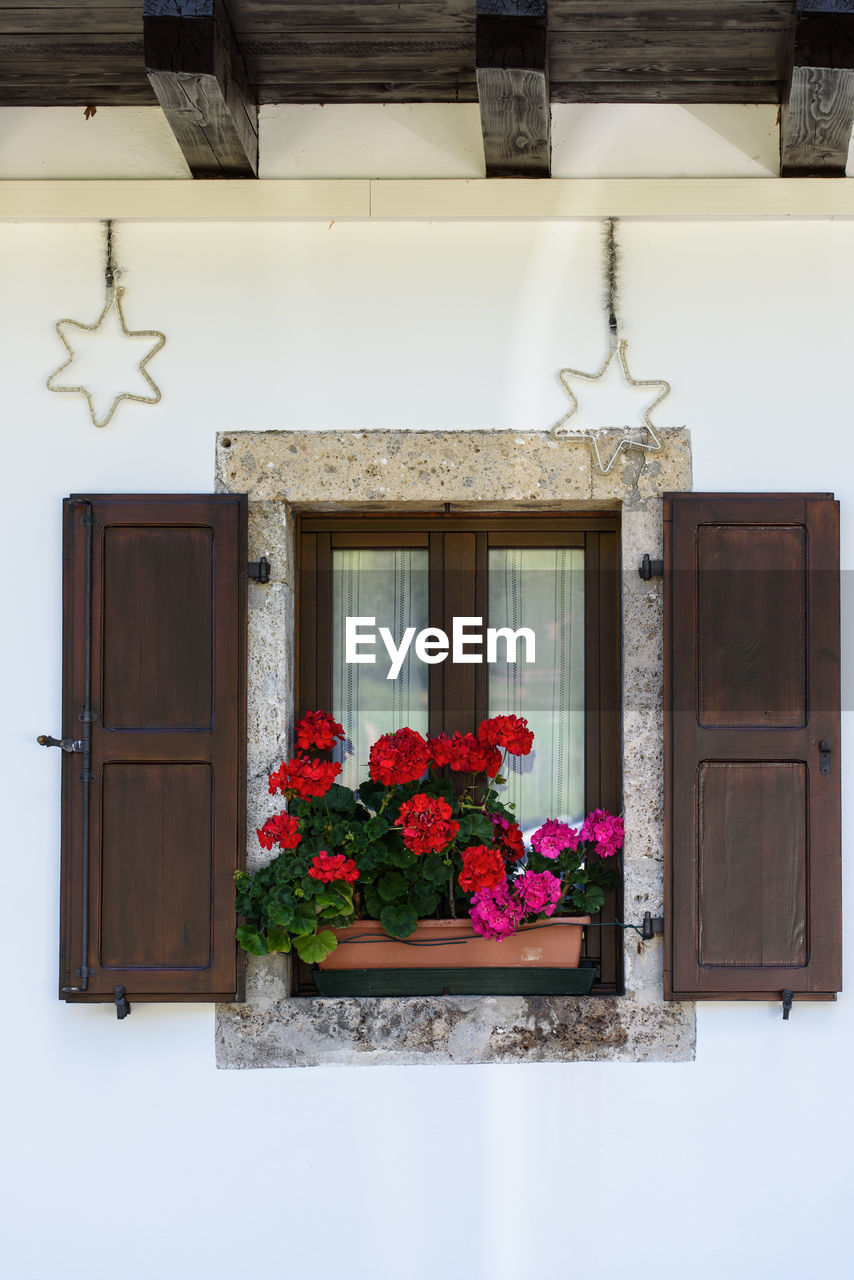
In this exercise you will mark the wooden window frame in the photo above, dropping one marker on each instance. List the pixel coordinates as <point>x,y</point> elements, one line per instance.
<point>459,543</point>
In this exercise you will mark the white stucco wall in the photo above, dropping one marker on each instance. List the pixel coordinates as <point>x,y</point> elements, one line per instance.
<point>127,1152</point>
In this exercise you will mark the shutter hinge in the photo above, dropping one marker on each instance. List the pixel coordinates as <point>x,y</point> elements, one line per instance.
<point>650,568</point>
<point>67,744</point>
<point>259,570</point>
<point>85,973</point>
<point>651,926</point>
<point>788,997</point>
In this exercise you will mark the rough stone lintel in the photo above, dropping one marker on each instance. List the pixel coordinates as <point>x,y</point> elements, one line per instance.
<point>341,470</point>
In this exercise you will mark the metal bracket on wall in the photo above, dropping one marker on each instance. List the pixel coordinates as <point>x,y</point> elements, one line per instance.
<point>650,568</point>
<point>259,570</point>
<point>788,997</point>
<point>122,1006</point>
<point>651,926</point>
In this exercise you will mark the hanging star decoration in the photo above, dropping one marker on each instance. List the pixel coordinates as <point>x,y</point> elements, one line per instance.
<point>615,377</point>
<point>128,352</point>
<point>629,435</point>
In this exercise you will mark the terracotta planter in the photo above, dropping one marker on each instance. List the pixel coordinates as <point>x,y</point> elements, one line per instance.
<point>453,944</point>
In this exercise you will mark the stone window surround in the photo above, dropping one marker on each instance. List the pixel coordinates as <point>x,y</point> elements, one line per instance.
<point>285,472</point>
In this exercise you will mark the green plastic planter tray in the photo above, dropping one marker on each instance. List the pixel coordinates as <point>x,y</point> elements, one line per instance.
<point>456,982</point>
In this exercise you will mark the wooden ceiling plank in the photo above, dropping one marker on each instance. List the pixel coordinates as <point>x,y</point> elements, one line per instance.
<point>513,87</point>
<point>84,19</point>
<point>196,70</point>
<point>818,114</point>
<point>446,16</point>
<point>301,93</point>
<point>673,91</point>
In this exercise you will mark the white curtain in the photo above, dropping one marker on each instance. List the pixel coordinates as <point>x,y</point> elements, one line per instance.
<point>390,585</point>
<point>543,589</point>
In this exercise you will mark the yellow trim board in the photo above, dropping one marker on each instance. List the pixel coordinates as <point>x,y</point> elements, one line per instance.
<point>425,199</point>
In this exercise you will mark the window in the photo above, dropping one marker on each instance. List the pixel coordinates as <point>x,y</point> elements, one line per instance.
<point>483,582</point>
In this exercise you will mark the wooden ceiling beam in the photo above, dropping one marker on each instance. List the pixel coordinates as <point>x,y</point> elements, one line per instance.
<point>513,87</point>
<point>818,114</point>
<point>196,69</point>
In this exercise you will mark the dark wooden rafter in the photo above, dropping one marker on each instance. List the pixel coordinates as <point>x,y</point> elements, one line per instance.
<point>196,69</point>
<point>513,87</point>
<point>818,113</point>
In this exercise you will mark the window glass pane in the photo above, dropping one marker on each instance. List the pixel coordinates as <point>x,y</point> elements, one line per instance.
<point>542,589</point>
<point>391,587</point>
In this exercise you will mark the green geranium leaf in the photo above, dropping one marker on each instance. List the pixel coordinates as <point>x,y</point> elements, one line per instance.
<point>464,833</point>
<point>593,900</point>
<point>278,939</point>
<point>372,794</point>
<point>316,947</point>
<point>339,799</point>
<point>304,918</point>
<point>399,856</point>
<point>423,898</point>
<point>250,940</point>
<point>398,920</point>
<point>376,828</point>
<point>392,885</point>
<point>279,913</point>
<point>337,900</point>
<point>434,870</point>
<point>373,902</point>
<point>481,828</point>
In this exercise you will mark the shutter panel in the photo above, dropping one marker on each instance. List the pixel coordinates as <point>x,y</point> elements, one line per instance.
<point>752,824</point>
<point>148,872</point>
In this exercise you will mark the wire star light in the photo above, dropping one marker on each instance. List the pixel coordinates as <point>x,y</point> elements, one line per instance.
<point>628,438</point>
<point>628,434</point>
<point>111,320</point>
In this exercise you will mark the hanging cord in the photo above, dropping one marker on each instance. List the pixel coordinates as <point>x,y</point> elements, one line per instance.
<point>109,266</point>
<point>612,271</point>
<point>619,924</point>
<point>369,939</point>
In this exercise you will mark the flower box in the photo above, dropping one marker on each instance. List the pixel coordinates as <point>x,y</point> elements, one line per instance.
<point>447,957</point>
<point>554,943</point>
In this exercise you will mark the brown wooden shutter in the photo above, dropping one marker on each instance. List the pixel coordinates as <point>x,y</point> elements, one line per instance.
<point>148,890</point>
<point>752,761</point>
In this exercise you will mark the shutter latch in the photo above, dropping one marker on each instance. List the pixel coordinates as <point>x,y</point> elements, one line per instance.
<point>788,997</point>
<point>650,568</point>
<point>651,927</point>
<point>122,1006</point>
<point>67,744</point>
<point>259,569</point>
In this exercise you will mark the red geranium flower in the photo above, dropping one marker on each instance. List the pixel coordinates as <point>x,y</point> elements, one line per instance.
<point>427,823</point>
<point>482,868</point>
<point>399,757</point>
<point>327,867</point>
<point>304,777</point>
<point>510,732</point>
<point>317,729</point>
<point>508,838</point>
<point>282,830</point>
<point>465,754</point>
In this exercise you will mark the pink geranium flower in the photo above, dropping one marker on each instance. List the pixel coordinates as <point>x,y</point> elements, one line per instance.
<point>553,837</point>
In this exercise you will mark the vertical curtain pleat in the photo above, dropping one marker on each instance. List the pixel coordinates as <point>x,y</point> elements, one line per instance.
<point>390,586</point>
<point>542,589</point>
